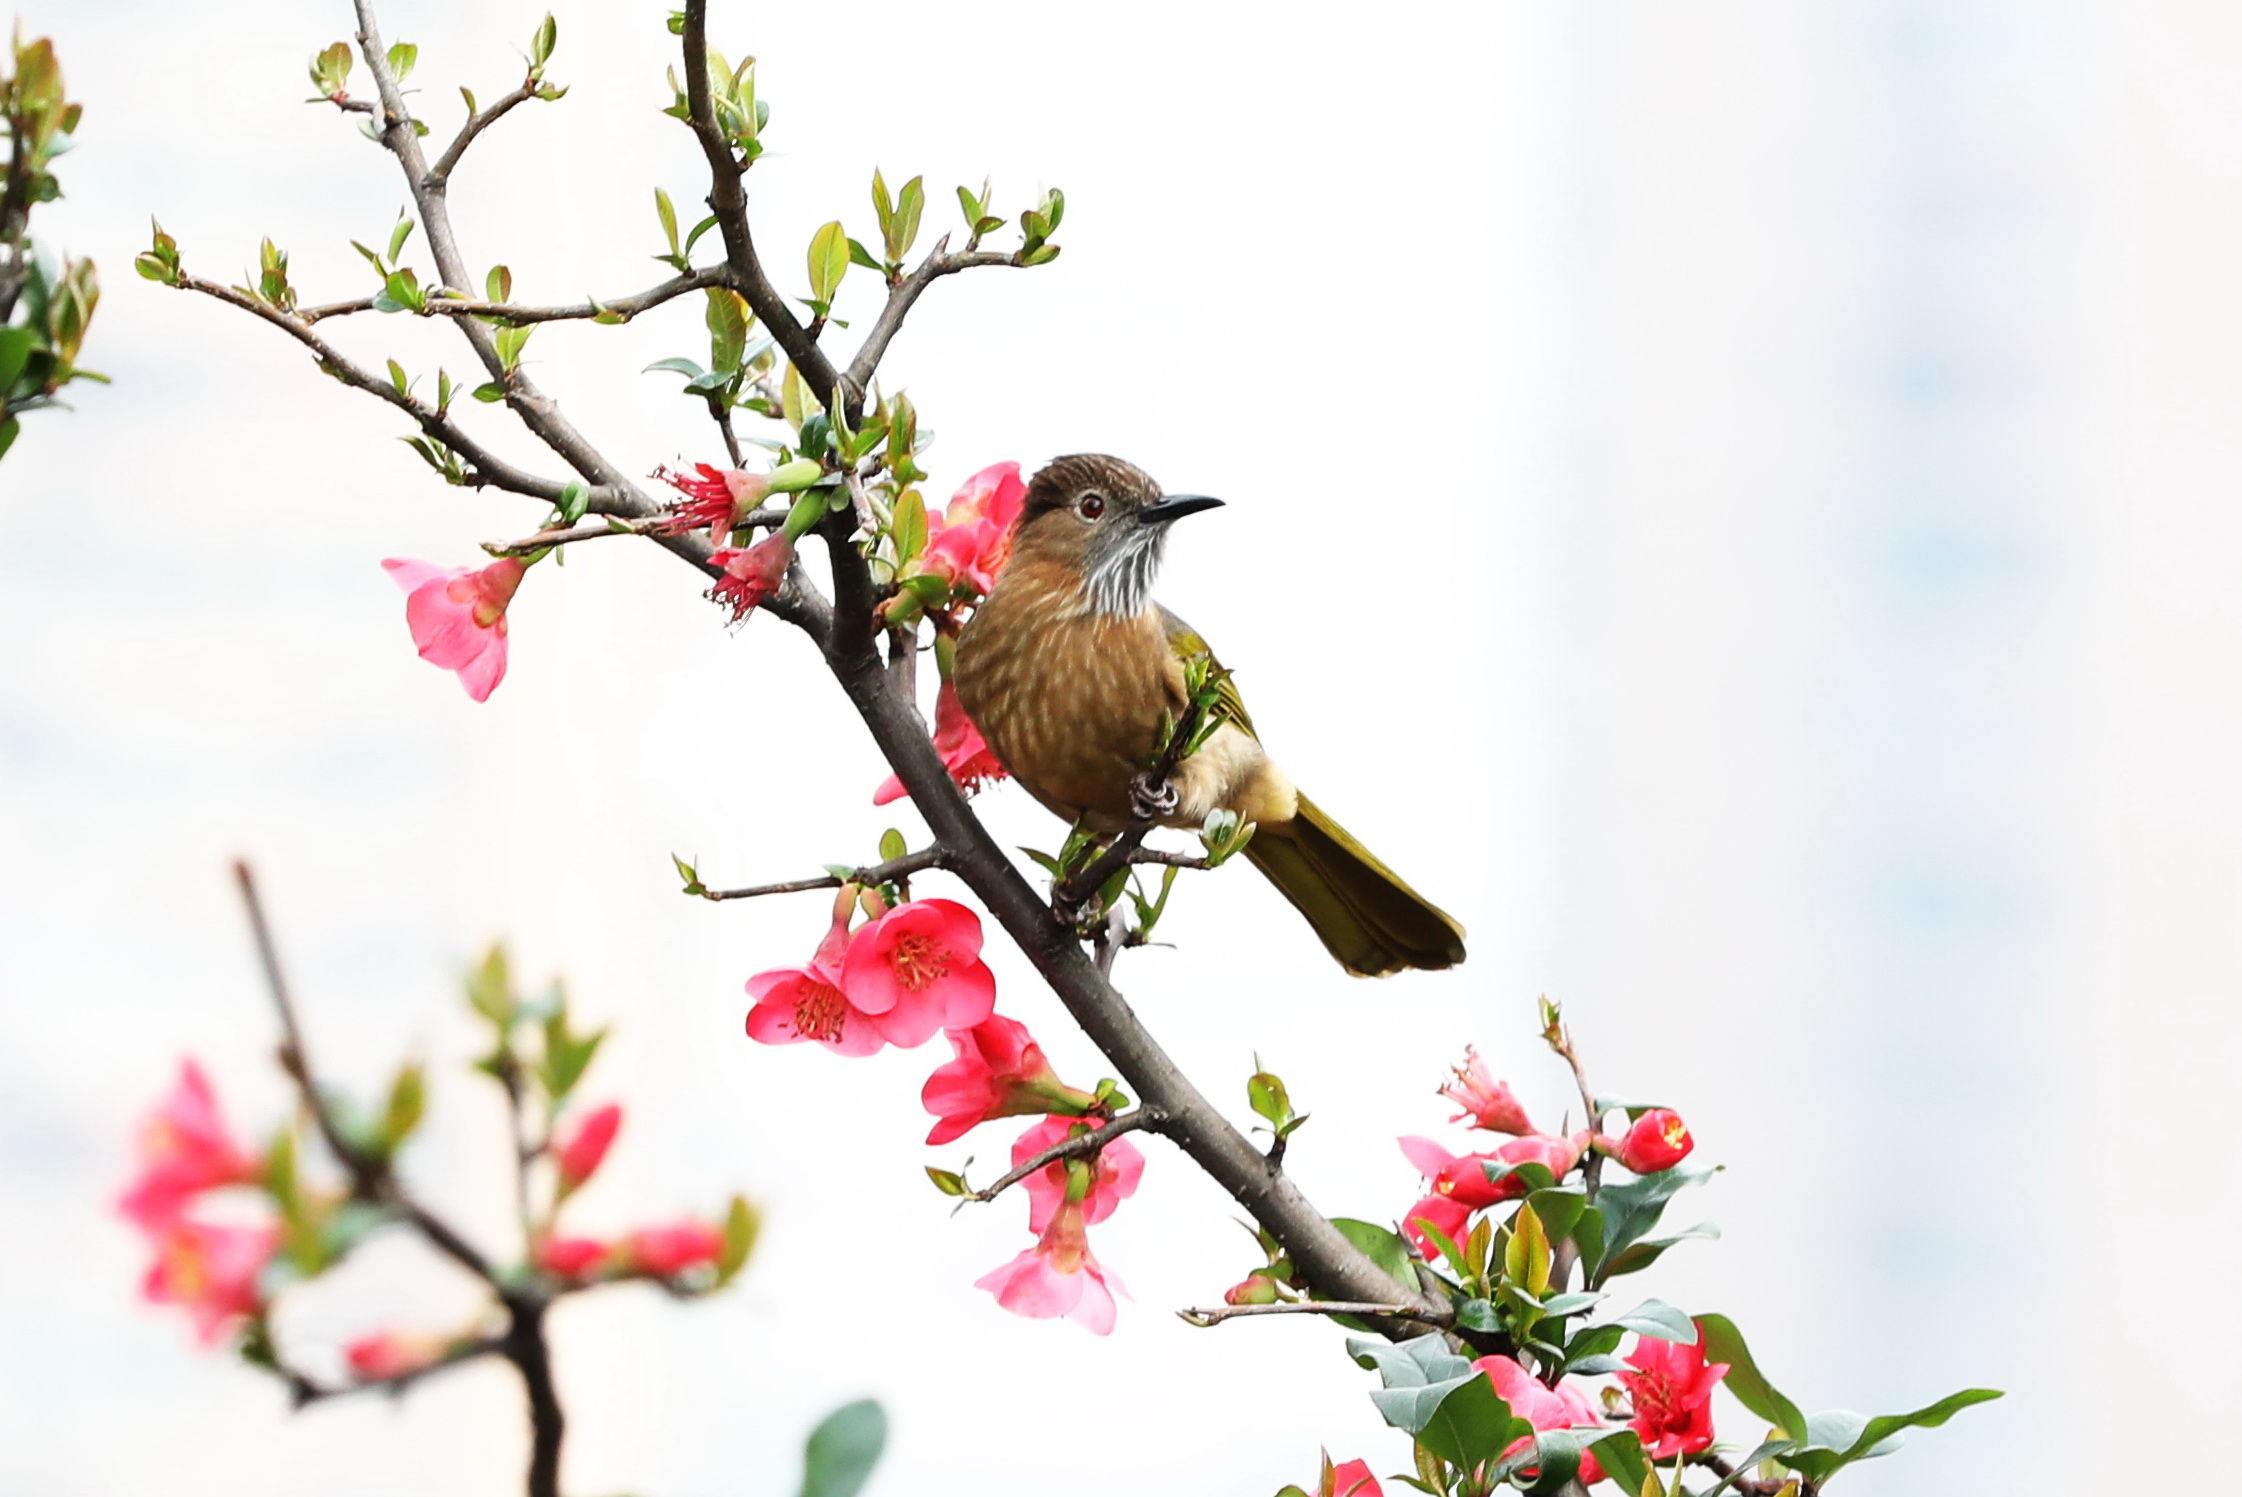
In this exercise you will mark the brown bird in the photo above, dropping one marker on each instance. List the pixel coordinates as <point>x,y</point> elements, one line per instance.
<point>1070,670</point>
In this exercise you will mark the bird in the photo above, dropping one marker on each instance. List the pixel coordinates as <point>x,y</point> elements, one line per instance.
<point>1073,672</point>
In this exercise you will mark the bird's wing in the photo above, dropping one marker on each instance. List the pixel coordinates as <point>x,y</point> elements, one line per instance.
<point>1186,642</point>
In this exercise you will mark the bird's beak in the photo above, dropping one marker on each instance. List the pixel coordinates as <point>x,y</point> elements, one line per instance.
<point>1175,507</point>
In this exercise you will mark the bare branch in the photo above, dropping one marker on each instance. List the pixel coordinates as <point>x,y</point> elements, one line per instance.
<point>545,540</point>
<point>1366,1309</point>
<point>439,175</point>
<point>304,1391</point>
<point>877,873</point>
<point>623,308</point>
<point>903,296</point>
<point>1076,1146</point>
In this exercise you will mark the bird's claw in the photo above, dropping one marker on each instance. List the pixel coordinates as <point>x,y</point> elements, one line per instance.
<point>1151,799</point>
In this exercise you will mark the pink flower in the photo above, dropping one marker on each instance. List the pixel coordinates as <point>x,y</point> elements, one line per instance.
<point>1459,1181</point>
<point>1487,1102</point>
<point>666,1252</point>
<point>965,754</point>
<point>570,1257</point>
<point>1658,1141</point>
<point>811,1002</point>
<point>184,1150</point>
<point>1353,1479</point>
<point>715,498</point>
<point>458,617</point>
<point>1672,1389</point>
<point>1564,1407</point>
<point>918,969</point>
<point>1058,1276</point>
<point>999,1072</point>
<point>580,1154</point>
<point>752,575</point>
<point>213,1271</point>
<point>390,1354</point>
<point>973,538</point>
<point>1119,1167</point>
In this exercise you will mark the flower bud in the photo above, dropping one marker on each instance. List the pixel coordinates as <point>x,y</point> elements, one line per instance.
<point>583,1150</point>
<point>1253,1289</point>
<point>789,478</point>
<point>1659,1140</point>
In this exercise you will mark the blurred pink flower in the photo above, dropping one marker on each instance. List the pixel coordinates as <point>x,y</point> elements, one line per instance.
<point>666,1252</point>
<point>458,617</point>
<point>580,1153</point>
<point>389,1354</point>
<point>184,1150</point>
<point>570,1257</point>
<point>213,1271</point>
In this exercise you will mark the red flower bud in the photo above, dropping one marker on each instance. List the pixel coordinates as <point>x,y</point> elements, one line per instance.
<point>1658,1141</point>
<point>580,1154</point>
<point>1253,1289</point>
<point>570,1257</point>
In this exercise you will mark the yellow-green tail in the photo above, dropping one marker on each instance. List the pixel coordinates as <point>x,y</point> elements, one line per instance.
<point>1367,917</point>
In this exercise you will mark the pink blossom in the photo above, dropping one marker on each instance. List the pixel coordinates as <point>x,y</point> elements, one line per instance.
<point>213,1271</point>
<point>1058,1276</point>
<point>972,540</point>
<point>184,1150</point>
<point>1353,1479</point>
<point>999,1072</point>
<point>580,1153</point>
<point>665,1252</point>
<point>1460,1184</point>
<point>1487,1102</point>
<point>1672,1388</point>
<point>391,1354</point>
<point>750,575</point>
<point>918,969</point>
<point>812,1002</point>
<point>965,754</point>
<point>458,617</point>
<point>1659,1140</point>
<point>1120,1166</point>
<point>715,498</point>
<point>1565,1406</point>
<point>570,1257</point>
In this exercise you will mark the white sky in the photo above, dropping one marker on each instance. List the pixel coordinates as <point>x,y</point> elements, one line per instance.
<point>1737,502</point>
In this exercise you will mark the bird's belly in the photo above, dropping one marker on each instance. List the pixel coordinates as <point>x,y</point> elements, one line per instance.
<point>1074,715</point>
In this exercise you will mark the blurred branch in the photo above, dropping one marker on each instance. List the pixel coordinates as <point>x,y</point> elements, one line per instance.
<point>304,1391</point>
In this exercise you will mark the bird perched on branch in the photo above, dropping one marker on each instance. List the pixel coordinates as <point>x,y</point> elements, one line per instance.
<point>1072,671</point>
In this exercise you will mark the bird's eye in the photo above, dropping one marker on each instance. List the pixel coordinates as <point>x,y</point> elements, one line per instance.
<point>1092,506</point>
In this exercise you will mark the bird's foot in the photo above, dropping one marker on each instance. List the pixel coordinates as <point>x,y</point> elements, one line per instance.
<point>1151,799</point>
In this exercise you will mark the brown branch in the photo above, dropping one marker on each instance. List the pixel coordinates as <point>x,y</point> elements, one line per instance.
<point>304,1390</point>
<point>566,535</point>
<point>623,307</point>
<point>1366,1309</point>
<point>1075,1146</point>
<point>878,873</point>
<point>1161,859</point>
<point>902,297</point>
<point>439,175</point>
<point>727,199</point>
<point>370,1175</point>
<point>1560,1039</point>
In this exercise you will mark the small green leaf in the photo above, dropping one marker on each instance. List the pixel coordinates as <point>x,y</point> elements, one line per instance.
<point>667,212</point>
<point>1266,1094</point>
<point>1381,1247</point>
<point>843,1449</point>
<point>742,1225</point>
<point>408,1099</point>
<point>490,988</point>
<point>541,45</point>
<point>401,60</point>
<point>892,845</point>
<point>490,392</point>
<point>829,260</point>
<point>689,873</point>
<point>499,284</point>
<point>1836,1439</point>
<point>949,1182</point>
<point>574,500</point>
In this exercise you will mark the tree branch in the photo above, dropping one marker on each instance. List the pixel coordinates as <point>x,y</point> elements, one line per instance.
<point>878,873</point>
<point>439,175</point>
<point>727,199</point>
<point>1216,1314</point>
<point>1075,1146</point>
<point>304,1391</point>
<point>623,307</point>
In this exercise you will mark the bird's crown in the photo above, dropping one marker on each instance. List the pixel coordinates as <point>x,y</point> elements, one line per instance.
<point>1065,481</point>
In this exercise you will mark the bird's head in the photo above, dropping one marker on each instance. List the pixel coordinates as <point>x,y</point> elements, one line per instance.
<point>1103,521</point>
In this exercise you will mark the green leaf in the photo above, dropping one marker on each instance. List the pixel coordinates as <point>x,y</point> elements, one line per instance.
<point>1630,1209</point>
<point>1468,1421</point>
<point>1266,1095</point>
<point>401,60</point>
<point>1620,1452</point>
<point>667,212</point>
<point>541,45</point>
<point>909,527</point>
<point>689,873</point>
<point>1839,1437</point>
<point>1724,1343</point>
<point>10,428</point>
<point>949,1182</point>
<point>499,284</point>
<point>1478,1315</point>
<point>843,1450</point>
<point>1659,1321</point>
<point>728,319</point>
<point>490,988</point>
<point>1648,1251</point>
<point>690,368</point>
<point>1525,1258</point>
<point>1408,1364</point>
<point>1382,1248</point>
<point>574,500</point>
<point>16,344</point>
<point>1560,1208</point>
<point>408,1100</point>
<point>490,392</point>
<point>742,1225</point>
<point>829,260</point>
<point>910,204</point>
<point>892,845</point>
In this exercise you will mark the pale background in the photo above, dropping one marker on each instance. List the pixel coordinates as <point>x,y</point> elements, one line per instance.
<point>1735,499</point>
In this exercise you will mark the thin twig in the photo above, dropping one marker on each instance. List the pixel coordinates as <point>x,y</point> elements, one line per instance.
<point>304,1391</point>
<point>569,535</point>
<point>1216,1314</point>
<point>439,175</point>
<point>1075,1146</point>
<point>623,308</point>
<point>877,873</point>
<point>1160,859</point>
<point>371,1177</point>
